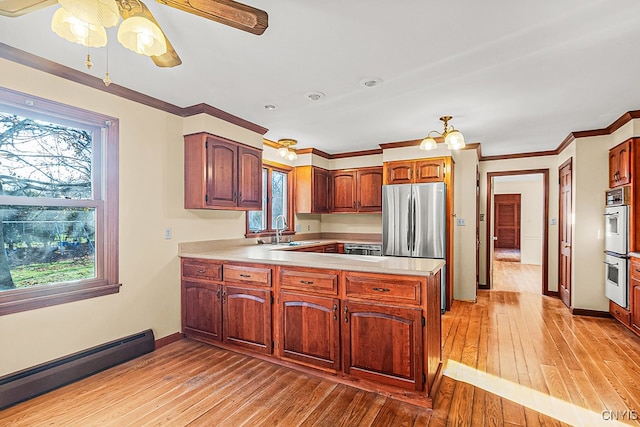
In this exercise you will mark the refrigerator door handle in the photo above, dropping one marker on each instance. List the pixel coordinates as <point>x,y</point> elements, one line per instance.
<point>409,227</point>
<point>413,225</point>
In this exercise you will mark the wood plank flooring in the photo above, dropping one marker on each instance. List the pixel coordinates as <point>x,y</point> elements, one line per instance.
<point>511,359</point>
<point>514,276</point>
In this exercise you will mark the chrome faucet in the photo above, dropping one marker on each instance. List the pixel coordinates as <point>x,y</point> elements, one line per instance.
<point>280,230</point>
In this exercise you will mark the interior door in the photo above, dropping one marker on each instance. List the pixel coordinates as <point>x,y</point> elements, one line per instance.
<point>564,276</point>
<point>507,221</point>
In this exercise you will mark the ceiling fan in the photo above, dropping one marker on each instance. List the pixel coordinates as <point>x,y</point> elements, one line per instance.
<point>227,12</point>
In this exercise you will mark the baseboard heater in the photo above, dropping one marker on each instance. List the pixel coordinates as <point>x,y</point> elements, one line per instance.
<point>34,381</point>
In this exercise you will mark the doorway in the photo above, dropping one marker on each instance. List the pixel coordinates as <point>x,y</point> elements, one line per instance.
<point>517,230</point>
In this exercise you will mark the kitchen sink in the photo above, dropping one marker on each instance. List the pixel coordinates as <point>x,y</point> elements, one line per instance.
<point>300,243</point>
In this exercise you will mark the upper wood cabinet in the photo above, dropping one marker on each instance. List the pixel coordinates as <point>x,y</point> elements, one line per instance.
<point>313,190</point>
<point>415,171</point>
<point>221,174</point>
<point>620,164</point>
<point>357,190</point>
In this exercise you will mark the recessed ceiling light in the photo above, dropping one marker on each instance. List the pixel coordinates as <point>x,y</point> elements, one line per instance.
<point>371,81</point>
<point>314,95</point>
<point>270,107</point>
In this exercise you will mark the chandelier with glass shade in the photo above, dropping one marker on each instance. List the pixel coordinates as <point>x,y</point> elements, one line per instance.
<point>287,149</point>
<point>452,137</point>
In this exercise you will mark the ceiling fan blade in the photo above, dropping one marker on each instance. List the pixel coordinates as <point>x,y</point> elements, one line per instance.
<point>14,8</point>
<point>228,12</point>
<point>135,7</point>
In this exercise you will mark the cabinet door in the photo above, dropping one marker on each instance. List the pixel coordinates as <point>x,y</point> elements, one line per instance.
<point>400,172</point>
<point>249,178</point>
<point>202,310</point>
<point>624,164</point>
<point>613,168</point>
<point>635,305</point>
<point>430,170</point>
<point>310,330</point>
<point>221,173</point>
<point>247,318</point>
<point>383,344</point>
<point>321,190</point>
<point>344,191</point>
<point>370,190</point>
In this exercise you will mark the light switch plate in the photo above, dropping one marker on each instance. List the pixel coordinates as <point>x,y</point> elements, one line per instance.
<point>460,222</point>
<point>168,233</point>
<point>553,221</point>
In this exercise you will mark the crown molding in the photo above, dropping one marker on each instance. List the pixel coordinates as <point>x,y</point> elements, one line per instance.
<point>36,62</point>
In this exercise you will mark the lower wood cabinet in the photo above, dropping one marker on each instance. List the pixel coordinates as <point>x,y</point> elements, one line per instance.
<point>379,332</point>
<point>383,344</point>
<point>202,309</point>
<point>635,309</point>
<point>247,318</point>
<point>310,330</point>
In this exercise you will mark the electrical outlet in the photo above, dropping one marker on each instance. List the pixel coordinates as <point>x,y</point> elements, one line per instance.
<point>168,233</point>
<point>553,221</point>
<point>298,227</point>
<point>308,228</point>
<point>460,221</point>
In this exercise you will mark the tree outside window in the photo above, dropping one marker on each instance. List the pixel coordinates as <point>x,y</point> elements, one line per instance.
<point>58,204</point>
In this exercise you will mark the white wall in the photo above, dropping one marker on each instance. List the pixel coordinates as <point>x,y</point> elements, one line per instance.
<point>531,213</point>
<point>464,236</point>
<point>151,198</point>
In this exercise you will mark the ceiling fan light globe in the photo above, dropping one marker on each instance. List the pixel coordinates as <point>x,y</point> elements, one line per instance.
<point>142,36</point>
<point>454,140</point>
<point>95,12</point>
<point>77,31</point>
<point>428,144</point>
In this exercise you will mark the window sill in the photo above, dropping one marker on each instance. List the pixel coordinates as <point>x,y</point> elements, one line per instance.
<point>15,301</point>
<point>268,234</point>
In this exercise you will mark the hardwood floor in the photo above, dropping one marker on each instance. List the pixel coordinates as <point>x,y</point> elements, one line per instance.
<point>509,255</point>
<point>514,276</point>
<point>511,359</point>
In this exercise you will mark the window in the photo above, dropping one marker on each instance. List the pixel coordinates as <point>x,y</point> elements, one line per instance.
<point>277,199</point>
<point>58,203</point>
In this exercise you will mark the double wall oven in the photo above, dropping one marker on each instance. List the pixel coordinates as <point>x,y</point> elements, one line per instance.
<point>616,256</point>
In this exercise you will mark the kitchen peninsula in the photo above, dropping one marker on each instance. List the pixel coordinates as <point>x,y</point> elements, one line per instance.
<point>368,321</point>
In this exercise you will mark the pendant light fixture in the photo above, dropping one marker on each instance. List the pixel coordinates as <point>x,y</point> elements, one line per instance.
<point>286,149</point>
<point>452,137</point>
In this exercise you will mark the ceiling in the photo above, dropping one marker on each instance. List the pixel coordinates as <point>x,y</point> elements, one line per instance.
<point>517,76</point>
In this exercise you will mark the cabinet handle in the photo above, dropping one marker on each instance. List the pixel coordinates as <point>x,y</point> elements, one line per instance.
<point>234,196</point>
<point>381,289</point>
<point>224,295</point>
<point>306,282</point>
<point>637,271</point>
<point>245,275</point>
<point>218,293</point>
<point>354,205</point>
<point>335,311</point>
<point>240,196</point>
<point>200,271</point>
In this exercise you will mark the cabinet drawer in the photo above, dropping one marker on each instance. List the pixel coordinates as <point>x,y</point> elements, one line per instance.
<point>634,269</point>
<point>399,290</point>
<point>253,275</point>
<point>309,279</point>
<point>620,313</point>
<point>201,269</point>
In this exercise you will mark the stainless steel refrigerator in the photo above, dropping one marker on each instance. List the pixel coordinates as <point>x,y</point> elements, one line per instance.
<point>414,222</point>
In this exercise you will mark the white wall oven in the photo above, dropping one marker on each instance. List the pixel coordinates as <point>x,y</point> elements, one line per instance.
<point>616,284</point>
<point>616,245</point>
<point>616,238</point>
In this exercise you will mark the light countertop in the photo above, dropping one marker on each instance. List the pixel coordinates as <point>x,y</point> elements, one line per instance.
<point>247,250</point>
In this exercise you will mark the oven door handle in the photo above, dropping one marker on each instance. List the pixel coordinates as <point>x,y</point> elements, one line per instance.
<point>611,214</point>
<point>610,264</point>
